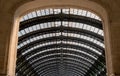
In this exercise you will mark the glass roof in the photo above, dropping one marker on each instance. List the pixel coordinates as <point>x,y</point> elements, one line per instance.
<point>58,43</point>
<point>49,11</point>
<point>58,24</point>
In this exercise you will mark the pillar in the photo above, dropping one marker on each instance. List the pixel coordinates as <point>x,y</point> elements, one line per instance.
<point>114,32</point>
<point>7,44</point>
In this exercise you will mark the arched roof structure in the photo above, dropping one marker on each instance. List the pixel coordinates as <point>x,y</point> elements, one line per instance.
<point>61,42</point>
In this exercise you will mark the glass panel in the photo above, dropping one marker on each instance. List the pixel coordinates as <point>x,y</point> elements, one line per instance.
<point>64,42</point>
<point>42,12</point>
<point>66,11</point>
<point>57,11</point>
<point>34,14</point>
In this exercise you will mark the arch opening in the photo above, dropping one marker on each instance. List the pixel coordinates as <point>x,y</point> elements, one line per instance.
<point>61,38</point>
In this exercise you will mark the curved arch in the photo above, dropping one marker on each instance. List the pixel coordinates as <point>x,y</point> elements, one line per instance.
<point>56,59</point>
<point>52,39</point>
<point>44,68</point>
<point>53,51</point>
<point>82,71</point>
<point>73,71</point>
<point>70,70</point>
<point>67,56</point>
<point>68,29</point>
<point>61,17</point>
<point>37,4</point>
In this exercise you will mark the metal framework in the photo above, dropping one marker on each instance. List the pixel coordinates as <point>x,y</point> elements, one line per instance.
<point>61,42</point>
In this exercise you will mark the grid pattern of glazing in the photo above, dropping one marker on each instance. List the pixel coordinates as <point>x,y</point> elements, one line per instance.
<point>60,47</point>
<point>49,11</point>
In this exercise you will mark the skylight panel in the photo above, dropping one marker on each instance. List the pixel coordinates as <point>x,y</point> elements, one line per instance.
<point>42,26</point>
<point>84,26</point>
<point>65,23</point>
<point>96,30</point>
<point>50,35</point>
<point>37,27</point>
<point>66,11</point>
<point>92,15</point>
<point>88,14</point>
<point>84,13</point>
<point>51,11</point>
<point>71,11</point>
<point>26,30</point>
<point>22,32</point>
<point>57,34</point>
<point>95,41</point>
<point>19,34</point>
<point>66,42</point>
<point>97,18</point>
<point>34,28</point>
<point>77,25</point>
<point>24,43</point>
<point>102,45</point>
<point>40,37</point>
<point>73,24</point>
<point>34,14</point>
<point>28,41</point>
<point>30,29</point>
<point>58,23</point>
<point>81,25</point>
<point>57,11</point>
<point>45,25</point>
<point>54,34</point>
<point>42,12</point>
<point>92,28</point>
<point>35,38</point>
<point>69,24</point>
<point>30,15</point>
<point>79,12</point>
<point>49,24</point>
<point>88,27</point>
<point>75,11</point>
<point>65,34</point>
<point>100,32</point>
<point>18,47</point>
<point>25,17</point>
<point>47,12</point>
<point>21,45</point>
<point>38,13</point>
<point>81,36</point>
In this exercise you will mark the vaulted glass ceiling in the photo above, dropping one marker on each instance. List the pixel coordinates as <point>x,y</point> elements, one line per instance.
<point>60,42</point>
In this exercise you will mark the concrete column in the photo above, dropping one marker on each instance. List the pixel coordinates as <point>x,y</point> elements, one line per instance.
<point>7,45</point>
<point>115,43</point>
